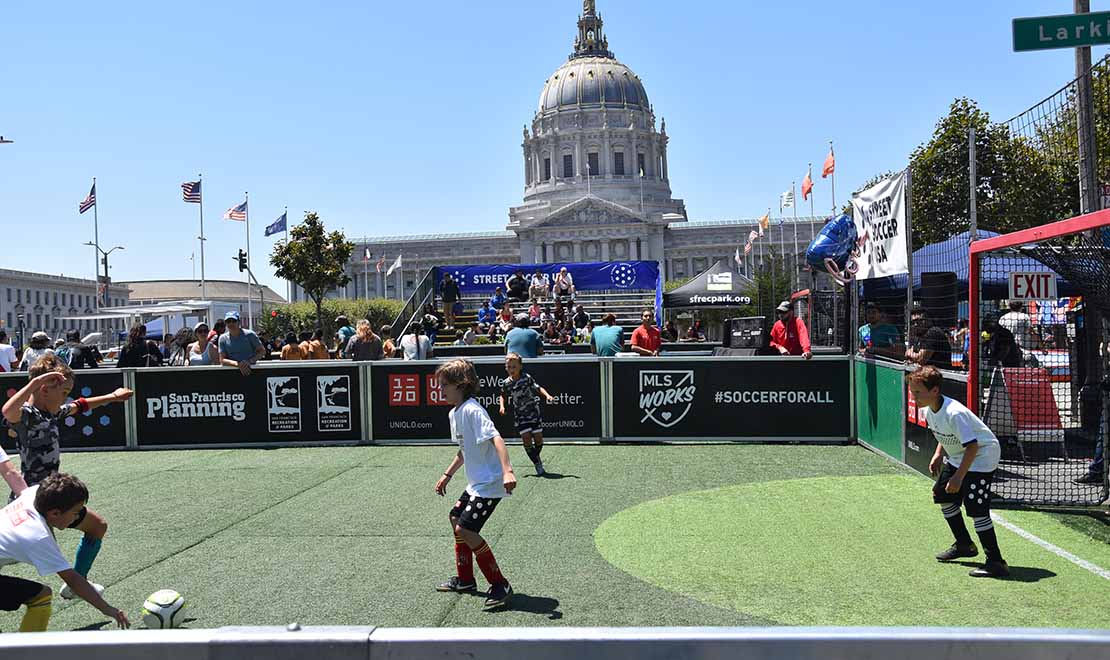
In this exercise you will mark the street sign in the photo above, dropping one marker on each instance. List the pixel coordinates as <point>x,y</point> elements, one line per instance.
<point>1062,31</point>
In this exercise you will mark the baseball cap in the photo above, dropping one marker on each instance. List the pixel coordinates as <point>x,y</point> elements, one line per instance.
<point>40,336</point>
<point>784,306</point>
<point>231,316</point>
<point>199,325</point>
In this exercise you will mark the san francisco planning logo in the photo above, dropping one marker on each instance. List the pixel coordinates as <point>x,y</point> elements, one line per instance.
<point>666,395</point>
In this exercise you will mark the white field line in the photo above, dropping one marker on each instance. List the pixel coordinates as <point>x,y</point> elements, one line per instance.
<point>1056,550</point>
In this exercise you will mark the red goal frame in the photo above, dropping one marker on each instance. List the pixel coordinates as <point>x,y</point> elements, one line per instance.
<point>1076,225</point>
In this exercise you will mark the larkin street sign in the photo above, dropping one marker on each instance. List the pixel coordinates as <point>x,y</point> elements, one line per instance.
<point>1063,31</point>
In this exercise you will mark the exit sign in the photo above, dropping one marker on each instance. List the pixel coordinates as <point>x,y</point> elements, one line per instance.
<point>1033,286</point>
<point>1063,31</point>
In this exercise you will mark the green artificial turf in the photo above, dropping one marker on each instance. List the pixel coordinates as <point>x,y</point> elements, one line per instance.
<point>355,535</point>
<point>848,551</point>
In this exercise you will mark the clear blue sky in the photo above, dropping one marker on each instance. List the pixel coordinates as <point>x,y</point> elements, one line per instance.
<point>400,118</point>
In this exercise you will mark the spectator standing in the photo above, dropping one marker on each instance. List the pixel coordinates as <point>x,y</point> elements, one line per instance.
<point>415,345</point>
<point>305,343</point>
<point>344,333</point>
<point>669,332</point>
<point>218,328</point>
<point>486,316</point>
<point>179,348</point>
<point>37,348</point>
<point>607,339</point>
<point>449,292</point>
<point>523,340</point>
<point>646,338</point>
<point>879,336</point>
<point>138,352</point>
<point>364,345</point>
<point>517,287</point>
<point>1018,322</point>
<point>239,347</point>
<point>539,288</point>
<point>497,300</point>
<point>929,344</point>
<point>202,353</point>
<point>317,349</point>
<point>789,335</point>
<point>389,349</point>
<point>292,349</point>
<point>75,354</point>
<point>8,360</point>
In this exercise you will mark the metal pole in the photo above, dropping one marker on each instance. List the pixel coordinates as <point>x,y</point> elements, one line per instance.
<point>832,180</point>
<point>794,204</point>
<point>96,256</point>
<point>909,249</point>
<point>973,179</point>
<point>247,217</point>
<point>203,285</point>
<point>288,284</point>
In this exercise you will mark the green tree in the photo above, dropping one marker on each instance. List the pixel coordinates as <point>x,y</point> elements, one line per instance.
<point>313,259</point>
<point>1016,186</point>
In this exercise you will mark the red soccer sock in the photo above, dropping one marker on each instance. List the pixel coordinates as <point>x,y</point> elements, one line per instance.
<point>486,561</point>
<point>463,563</point>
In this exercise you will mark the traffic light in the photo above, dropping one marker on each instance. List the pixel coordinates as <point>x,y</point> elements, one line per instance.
<point>242,261</point>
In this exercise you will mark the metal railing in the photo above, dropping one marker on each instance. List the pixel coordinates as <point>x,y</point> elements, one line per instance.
<point>413,309</point>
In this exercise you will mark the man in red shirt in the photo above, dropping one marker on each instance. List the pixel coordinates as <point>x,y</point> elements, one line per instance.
<point>790,336</point>
<point>646,339</point>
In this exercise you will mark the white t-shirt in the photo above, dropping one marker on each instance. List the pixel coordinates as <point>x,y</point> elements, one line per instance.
<point>3,455</point>
<point>414,351</point>
<point>7,356</point>
<point>955,427</point>
<point>25,537</point>
<point>474,431</point>
<point>1018,324</point>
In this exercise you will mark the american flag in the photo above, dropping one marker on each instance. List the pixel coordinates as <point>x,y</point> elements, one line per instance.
<point>381,264</point>
<point>89,202</point>
<point>190,192</point>
<point>237,213</point>
<point>747,247</point>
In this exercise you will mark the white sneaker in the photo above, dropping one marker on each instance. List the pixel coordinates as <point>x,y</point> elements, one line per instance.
<point>68,594</point>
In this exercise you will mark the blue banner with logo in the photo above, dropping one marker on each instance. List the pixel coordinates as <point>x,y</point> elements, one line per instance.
<point>591,276</point>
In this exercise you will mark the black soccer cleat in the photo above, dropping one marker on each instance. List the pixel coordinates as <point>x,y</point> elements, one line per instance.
<point>456,585</point>
<point>1088,479</point>
<point>957,551</point>
<point>994,569</point>
<point>497,596</point>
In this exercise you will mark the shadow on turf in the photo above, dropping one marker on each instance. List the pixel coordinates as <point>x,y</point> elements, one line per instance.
<point>552,475</point>
<point>106,624</point>
<point>1017,573</point>
<point>531,604</point>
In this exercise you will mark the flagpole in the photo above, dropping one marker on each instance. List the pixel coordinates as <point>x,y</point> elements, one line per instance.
<point>96,254</point>
<point>832,179</point>
<point>247,217</point>
<point>288,284</point>
<point>365,271</point>
<point>794,200</point>
<point>812,213</point>
<point>203,284</point>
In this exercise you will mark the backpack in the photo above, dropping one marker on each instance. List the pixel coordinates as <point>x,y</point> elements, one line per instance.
<point>65,354</point>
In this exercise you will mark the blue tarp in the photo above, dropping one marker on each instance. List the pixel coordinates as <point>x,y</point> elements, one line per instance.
<point>953,256</point>
<point>590,276</point>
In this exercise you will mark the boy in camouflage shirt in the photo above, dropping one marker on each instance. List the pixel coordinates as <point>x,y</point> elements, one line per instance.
<point>34,415</point>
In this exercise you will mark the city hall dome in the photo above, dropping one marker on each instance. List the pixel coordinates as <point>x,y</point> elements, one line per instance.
<point>593,82</point>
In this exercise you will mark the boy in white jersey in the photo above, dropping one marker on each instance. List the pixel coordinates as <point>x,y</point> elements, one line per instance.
<point>965,460</point>
<point>489,478</point>
<point>27,527</point>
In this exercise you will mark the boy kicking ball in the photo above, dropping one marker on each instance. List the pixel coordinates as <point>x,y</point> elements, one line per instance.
<point>35,414</point>
<point>524,393</point>
<point>489,479</point>
<point>966,458</point>
<point>27,535</point>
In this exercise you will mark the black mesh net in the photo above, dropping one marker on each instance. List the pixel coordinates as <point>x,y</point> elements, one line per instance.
<point>1040,365</point>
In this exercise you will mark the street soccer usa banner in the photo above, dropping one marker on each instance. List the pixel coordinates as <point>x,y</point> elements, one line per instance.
<point>879,214</point>
<point>589,276</point>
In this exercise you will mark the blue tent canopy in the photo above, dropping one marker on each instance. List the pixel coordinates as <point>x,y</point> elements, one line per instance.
<point>952,256</point>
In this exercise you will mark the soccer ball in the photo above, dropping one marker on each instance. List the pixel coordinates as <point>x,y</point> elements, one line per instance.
<point>162,609</point>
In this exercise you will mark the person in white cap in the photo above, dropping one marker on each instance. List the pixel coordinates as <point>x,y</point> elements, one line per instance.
<point>39,346</point>
<point>789,336</point>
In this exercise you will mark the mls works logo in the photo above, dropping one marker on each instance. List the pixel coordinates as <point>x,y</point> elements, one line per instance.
<point>666,396</point>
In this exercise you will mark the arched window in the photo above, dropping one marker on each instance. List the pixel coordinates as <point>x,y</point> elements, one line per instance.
<point>618,162</point>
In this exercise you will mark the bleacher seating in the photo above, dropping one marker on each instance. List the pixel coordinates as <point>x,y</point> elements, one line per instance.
<point>626,305</point>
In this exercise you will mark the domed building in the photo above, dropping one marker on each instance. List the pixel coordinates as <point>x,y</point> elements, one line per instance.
<point>596,188</point>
